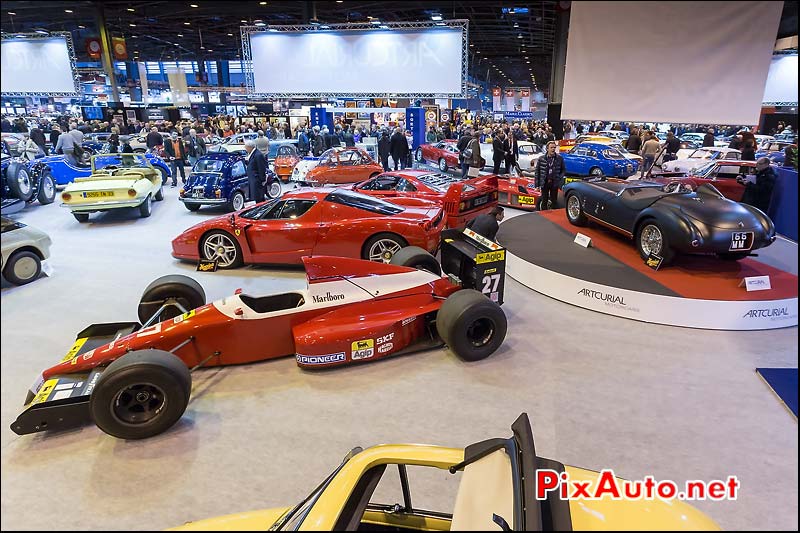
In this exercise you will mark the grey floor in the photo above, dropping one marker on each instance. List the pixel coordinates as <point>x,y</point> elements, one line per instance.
<point>602,392</point>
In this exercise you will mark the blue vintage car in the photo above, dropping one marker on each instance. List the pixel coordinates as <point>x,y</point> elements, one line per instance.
<point>220,179</point>
<point>595,159</point>
<point>64,172</point>
<point>774,150</point>
<point>23,183</point>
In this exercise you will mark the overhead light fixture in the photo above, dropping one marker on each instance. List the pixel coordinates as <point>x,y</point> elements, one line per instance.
<point>11,13</point>
<point>187,23</point>
<point>132,25</point>
<point>375,21</point>
<point>230,35</point>
<point>519,36</point>
<point>436,17</point>
<point>81,26</point>
<point>263,3</point>
<point>441,24</point>
<point>43,32</point>
<point>180,35</point>
<point>67,11</point>
<point>243,21</point>
<point>20,36</point>
<point>131,9</point>
<point>193,5</point>
<point>516,25</point>
<point>339,1</point>
<point>324,27</point>
<point>471,45</point>
<point>210,50</point>
<point>384,26</point>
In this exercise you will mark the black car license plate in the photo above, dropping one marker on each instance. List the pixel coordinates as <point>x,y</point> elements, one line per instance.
<point>480,201</point>
<point>741,241</point>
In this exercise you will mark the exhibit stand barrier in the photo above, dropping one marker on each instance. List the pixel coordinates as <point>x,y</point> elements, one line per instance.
<point>783,207</point>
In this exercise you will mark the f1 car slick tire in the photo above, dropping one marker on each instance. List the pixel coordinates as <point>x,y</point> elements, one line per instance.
<point>381,247</point>
<point>574,209</point>
<point>416,257</point>
<point>472,325</point>
<point>19,181</point>
<point>183,289</point>
<point>651,238</point>
<point>47,188</point>
<point>22,267</point>
<point>141,394</point>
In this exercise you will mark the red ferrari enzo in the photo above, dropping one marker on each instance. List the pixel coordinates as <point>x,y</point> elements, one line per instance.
<point>319,221</point>
<point>462,200</point>
<point>444,154</point>
<point>132,379</point>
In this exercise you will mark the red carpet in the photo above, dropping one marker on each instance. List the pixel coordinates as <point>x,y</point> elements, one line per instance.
<point>701,277</point>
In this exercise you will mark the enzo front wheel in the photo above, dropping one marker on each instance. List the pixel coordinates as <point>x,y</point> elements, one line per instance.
<point>220,246</point>
<point>443,165</point>
<point>382,247</point>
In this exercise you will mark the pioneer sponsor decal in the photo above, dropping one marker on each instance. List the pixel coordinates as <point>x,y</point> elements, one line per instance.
<point>327,298</point>
<point>779,313</point>
<point>383,348</point>
<point>363,349</point>
<point>320,359</point>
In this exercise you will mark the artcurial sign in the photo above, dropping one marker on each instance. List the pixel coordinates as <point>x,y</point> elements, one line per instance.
<point>603,296</point>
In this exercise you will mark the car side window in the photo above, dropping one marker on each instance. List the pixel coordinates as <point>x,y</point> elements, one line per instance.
<point>405,186</point>
<point>238,170</point>
<point>591,153</point>
<point>580,151</point>
<point>429,489</point>
<point>295,208</point>
<point>385,183</point>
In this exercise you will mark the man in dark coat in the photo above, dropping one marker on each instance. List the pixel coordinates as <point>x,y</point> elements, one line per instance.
<point>256,171</point>
<point>708,138</point>
<point>347,136</point>
<point>758,189</point>
<point>487,224</point>
<point>384,149</point>
<point>498,151</point>
<point>398,147</point>
<point>37,136</point>
<point>549,173</point>
<point>154,138</point>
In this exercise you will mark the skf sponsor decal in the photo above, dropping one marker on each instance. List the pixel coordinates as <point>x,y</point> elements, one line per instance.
<point>383,348</point>
<point>363,349</point>
<point>44,393</point>
<point>320,359</point>
<point>407,321</point>
<point>775,314</point>
<point>327,298</point>
<point>385,338</point>
<point>74,350</point>
<point>490,257</point>
<point>184,316</point>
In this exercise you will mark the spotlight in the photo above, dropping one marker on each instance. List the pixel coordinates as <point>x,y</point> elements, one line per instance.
<point>436,17</point>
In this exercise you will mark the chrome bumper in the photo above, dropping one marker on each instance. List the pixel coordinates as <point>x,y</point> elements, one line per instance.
<point>102,206</point>
<point>190,200</point>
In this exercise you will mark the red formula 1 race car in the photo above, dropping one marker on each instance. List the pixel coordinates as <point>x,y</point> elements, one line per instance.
<point>444,154</point>
<point>462,200</point>
<point>518,191</point>
<point>320,221</point>
<point>285,160</point>
<point>133,380</point>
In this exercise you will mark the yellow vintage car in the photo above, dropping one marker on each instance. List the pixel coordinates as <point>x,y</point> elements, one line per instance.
<point>117,181</point>
<point>496,492</point>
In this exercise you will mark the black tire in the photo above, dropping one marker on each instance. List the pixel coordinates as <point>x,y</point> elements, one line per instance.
<point>574,210</point>
<point>164,175</point>
<point>81,217</point>
<point>732,256</point>
<point>665,252</point>
<point>416,257</point>
<point>442,165</point>
<point>141,394</point>
<point>140,151</point>
<point>237,259</point>
<point>418,155</point>
<point>22,267</point>
<point>183,289</point>
<point>595,172</point>
<point>471,325</point>
<point>236,201</point>
<point>19,181</point>
<point>159,195</point>
<point>386,239</point>
<point>274,188</point>
<point>192,207</point>
<point>47,188</point>
<point>146,207</point>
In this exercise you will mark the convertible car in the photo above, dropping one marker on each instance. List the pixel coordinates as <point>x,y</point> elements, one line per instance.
<point>23,182</point>
<point>495,492</point>
<point>64,172</point>
<point>220,179</point>
<point>286,157</point>
<point>23,250</point>
<point>313,222</point>
<point>667,219</point>
<point>444,154</point>
<point>595,159</point>
<point>116,181</point>
<point>688,160</point>
<point>462,200</point>
<point>723,174</point>
<point>340,165</point>
<point>133,378</point>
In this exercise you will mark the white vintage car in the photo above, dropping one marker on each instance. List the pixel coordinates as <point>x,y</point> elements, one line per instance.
<point>529,153</point>
<point>617,135</point>
<point>23,250</point>
<point>117,181</point>
<point>689,159</point>
<point>233,143</point>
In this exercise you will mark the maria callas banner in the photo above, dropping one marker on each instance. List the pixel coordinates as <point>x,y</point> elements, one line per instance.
<point>93,47</point>
<point>120,48</point>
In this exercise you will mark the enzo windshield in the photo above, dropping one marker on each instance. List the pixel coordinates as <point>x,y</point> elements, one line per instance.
<point>209,165</point>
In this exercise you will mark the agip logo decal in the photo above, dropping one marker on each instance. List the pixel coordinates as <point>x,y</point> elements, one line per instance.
<point>363,349</point>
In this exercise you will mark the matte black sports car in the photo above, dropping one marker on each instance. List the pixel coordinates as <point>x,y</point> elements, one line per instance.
<point>665,219</point>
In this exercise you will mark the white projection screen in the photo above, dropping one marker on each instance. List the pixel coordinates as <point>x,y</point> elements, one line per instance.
<point>781,86</point>
<point>36,65</point>
<point>403,62</point>
<point>676,62</point>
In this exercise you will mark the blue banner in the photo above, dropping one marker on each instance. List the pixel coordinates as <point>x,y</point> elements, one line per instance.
<point>415,118</point>
<point>522,115</point>
<point>321,117</point>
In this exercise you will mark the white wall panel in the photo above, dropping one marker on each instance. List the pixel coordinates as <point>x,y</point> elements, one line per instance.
<point>36,66</point>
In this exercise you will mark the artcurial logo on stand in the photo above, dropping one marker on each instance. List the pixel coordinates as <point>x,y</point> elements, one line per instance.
<point>604,296</point>
<point>780,313</point>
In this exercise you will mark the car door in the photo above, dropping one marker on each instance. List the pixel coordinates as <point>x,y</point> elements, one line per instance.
<point>575,161</point>
<point>238,180</point>
<point>285,233</point>
<point>723,177</point>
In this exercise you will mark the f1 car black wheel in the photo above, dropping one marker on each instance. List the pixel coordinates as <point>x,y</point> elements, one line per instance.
<point>236,202</point>
<point>442,165</point>
<point>146,207</point>
<point>22,267</point>
<point>222,246</point>
<point>733,256</point>
<point>182,289</point>
<point>274,188</point>
<point>381,247</point>
<point>416,257</point>
<point>19,181</point>
<point>471,324</point>
<point>595,172</point>
<point>159,195</point>
<point>81,217</point>
<point>47,188</point>
<point>192,207</point>
<point>141,394</point>
<point>652,239</point>
<point>575,213</point>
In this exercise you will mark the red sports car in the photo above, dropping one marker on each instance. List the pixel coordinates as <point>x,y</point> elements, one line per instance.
<point>132,379</point>
<point>723,174</point>
<point>320,221</point>
<point>285,160</point>
<point>343,165</point>
<point>518,191</point>
<point>444,154</point>
<point>462,200</point>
